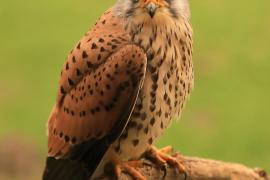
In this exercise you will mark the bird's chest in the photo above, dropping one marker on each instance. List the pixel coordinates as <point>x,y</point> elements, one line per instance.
<point>168,81</point>
<point>169,77</point>
<point>166,87</point>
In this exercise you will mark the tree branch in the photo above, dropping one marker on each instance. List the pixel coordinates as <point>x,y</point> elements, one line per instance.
<point>200,169</point>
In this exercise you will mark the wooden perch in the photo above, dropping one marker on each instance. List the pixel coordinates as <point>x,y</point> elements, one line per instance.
<point>199,169</point>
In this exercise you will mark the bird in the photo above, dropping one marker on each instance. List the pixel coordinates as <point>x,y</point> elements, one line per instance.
<point>120,88</point>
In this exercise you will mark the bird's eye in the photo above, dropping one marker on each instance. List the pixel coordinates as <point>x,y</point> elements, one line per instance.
<point>134,1</point>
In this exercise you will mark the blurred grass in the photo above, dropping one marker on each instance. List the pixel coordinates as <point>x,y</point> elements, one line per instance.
<point>227,117</point>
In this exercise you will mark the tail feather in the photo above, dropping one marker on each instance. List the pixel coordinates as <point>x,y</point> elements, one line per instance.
<point>60,169</point>
<point>80,165</point>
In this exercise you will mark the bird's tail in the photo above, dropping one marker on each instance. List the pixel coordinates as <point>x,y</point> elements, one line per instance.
<point>64,169</point>
<point>81,163</point>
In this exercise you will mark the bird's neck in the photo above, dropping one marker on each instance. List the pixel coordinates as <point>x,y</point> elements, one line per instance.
<point>150,34</point>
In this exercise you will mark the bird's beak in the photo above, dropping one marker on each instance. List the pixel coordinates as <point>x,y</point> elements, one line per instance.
<point>151,6</point>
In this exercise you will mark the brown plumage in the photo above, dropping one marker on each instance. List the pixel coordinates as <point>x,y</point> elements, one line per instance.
<point>120,87</point>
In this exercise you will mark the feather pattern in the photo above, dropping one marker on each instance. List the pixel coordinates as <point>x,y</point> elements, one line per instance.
<point>98,88</point>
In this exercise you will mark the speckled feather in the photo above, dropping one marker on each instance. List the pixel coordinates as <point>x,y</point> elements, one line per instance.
<point>167,84</point>
<point>151,58</point>
<point>96,83</point>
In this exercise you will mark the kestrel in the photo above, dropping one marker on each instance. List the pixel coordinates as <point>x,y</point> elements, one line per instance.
<point>120,88</point>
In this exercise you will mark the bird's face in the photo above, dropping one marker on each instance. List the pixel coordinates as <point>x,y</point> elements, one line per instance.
<point>152,10</point>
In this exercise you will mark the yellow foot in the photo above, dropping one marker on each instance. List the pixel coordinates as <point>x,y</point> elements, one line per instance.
<point>129,167</point>
<point>162,157</point>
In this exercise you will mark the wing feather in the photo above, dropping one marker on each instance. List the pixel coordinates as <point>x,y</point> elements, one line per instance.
<point>101,105</point>
<point>98,88</point>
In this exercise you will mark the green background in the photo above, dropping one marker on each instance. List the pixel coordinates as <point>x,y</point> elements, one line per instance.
<point>227,117</point>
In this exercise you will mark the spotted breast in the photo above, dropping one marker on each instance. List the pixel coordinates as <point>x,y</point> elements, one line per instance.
<point>167,84</point>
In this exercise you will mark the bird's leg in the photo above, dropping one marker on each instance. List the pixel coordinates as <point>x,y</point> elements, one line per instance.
<point>130,168</point>
<point>161,157</point>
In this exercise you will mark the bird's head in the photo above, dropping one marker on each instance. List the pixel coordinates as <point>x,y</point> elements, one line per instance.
<point>152,10</point>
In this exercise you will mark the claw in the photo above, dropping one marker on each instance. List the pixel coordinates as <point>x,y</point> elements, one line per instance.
<point>166,150</point>
<point>162,159</point>
<point>130,168</point>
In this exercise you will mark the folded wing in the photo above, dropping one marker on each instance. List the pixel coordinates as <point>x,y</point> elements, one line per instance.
<point>97,92</point>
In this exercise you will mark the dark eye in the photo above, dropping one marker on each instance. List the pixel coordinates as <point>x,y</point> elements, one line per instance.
<point>134,1</point>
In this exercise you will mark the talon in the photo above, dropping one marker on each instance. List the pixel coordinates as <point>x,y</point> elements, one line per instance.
<point>167,150</point>
<point>147,163</point>
<point>130,168</point>
<point>162,158</point>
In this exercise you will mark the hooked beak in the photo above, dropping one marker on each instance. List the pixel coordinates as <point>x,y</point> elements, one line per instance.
<point>151,8</point>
